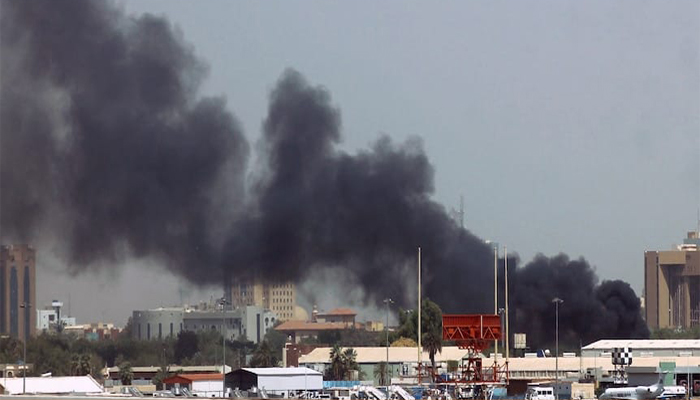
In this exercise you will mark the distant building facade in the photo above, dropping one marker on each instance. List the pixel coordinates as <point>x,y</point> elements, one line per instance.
<point>250,323</point>
<point>280,298</point>
<point>47,319</point>
<point>17,290</point>
<point>94,331</point>
<point>345,316</point>
<point>672,285</point>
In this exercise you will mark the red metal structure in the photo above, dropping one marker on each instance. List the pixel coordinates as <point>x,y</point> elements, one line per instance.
<point>476,333</point>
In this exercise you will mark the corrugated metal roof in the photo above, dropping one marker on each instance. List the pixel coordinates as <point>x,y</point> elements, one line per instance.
<point>195,377</point>
<point>638,344</point>
<point>282,371</point>
<point>377,354</point>
<point>173,368</point>
<point>52,385</point>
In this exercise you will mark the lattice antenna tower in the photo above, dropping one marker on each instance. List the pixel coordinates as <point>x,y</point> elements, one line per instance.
<point>458,215</point>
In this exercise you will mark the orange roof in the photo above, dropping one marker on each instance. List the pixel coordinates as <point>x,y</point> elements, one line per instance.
<point>340,311</point>
<point>310,326</point>
<point>193,377</point>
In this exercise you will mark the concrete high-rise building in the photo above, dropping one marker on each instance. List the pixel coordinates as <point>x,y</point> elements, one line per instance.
<point>17,290</point>
<point>672,285</point>
<point>280,298</point>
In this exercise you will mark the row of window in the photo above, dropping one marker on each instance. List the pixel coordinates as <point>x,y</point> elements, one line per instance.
<point>172,333</point>
<point>15,301</point>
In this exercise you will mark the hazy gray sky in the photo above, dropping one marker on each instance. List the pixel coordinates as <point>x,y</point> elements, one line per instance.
<point>567,126</point>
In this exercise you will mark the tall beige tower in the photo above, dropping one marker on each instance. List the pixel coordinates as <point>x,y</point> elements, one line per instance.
<point>672,285</point>
<point>17,290</point>
<point>277,297</point>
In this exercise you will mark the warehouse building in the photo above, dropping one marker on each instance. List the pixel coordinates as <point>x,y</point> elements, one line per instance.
<point>200,385</point>
<point>277,381</point>
<point>642,349</point>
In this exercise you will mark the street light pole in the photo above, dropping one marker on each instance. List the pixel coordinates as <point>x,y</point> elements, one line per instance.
<point>386,327</point>
<point>556,302</point>
<point>26,307</point>
<point>223,334</point>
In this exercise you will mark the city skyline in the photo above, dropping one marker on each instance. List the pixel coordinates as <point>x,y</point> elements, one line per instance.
<point>579,135</point>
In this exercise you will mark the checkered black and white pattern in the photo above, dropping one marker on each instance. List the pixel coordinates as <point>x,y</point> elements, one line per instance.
<point>622,356</point>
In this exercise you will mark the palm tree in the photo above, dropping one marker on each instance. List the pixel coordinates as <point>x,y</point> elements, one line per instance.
<point>337,363</point>
<point>263,356</point>
<point>84,367</point>
<point>432,330</point>
<point>381,373</point>
<point>349,362</point>
<point>126,375</point>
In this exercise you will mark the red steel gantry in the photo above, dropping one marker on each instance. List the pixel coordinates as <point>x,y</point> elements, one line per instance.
<point>476,333</point>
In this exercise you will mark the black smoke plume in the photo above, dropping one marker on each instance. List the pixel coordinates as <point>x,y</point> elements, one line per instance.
<point>104,141</point>
<point>589,310</point>
<point>109,152</point>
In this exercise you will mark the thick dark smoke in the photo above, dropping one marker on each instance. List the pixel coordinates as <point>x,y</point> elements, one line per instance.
<point>318,206</point>
<point>108,150</point>
<point>589,310</point>
<point>104,141</point>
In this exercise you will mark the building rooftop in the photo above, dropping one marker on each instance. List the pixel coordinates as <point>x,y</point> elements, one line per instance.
<point>190,368</point>
<point>194,377</point>
<point>276,371</point>
<point>310,326</point>
<point>642,344</point>
<point>338,312</point>
<point>53,385</point>
<point>377,354</point>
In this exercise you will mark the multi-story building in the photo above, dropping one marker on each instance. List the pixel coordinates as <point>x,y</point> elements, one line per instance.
<point>17,290</point>
<point>280,298</point>
<point>249,322</point>
<point>672,285</point>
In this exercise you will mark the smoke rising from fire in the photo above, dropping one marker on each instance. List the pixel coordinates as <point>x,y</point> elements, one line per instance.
<point>108,148</point>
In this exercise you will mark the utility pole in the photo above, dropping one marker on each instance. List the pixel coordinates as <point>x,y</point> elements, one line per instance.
<point>420,348</point>
<point>223,335</point>
<point>26,307</point>
<point>386,327</point>
<point>556,302</point>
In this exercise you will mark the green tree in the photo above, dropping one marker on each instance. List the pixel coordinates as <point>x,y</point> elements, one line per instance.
<point>431,328</point>
<point>10,350</point>
<point>276,341</point>
<point>337,367</point>
<point>186,346</point>
<point>163,372</point>
<point>126,375</point>
<point>263,356</point>
<point>431,321</point>
<point>381,373</point>
<point>349,362</point>
<point>81,364</point>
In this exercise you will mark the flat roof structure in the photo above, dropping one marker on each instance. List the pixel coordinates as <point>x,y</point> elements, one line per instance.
<point>645,348</point>
<point>322,355</point>
<point>275,379</point>
<point>53,385</point>
<point>190,378</point>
